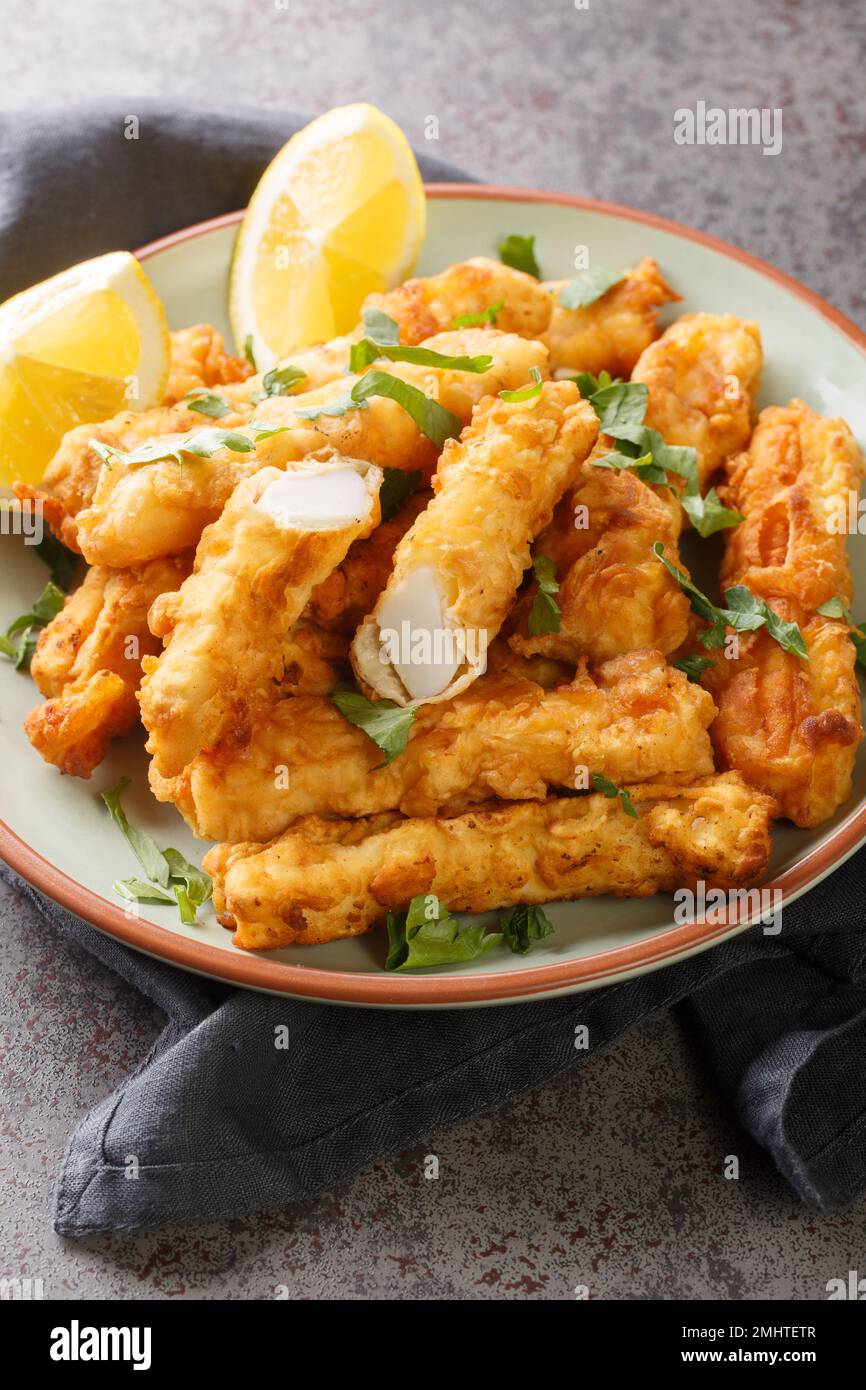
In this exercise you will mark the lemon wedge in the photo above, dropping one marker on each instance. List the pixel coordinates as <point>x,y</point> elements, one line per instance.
<point>77,348</point>
<point>339,213</point>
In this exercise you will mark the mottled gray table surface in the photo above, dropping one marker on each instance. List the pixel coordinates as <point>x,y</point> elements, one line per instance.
<point>612,1179</point>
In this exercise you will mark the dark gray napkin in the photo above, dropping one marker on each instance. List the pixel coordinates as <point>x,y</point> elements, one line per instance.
<point>222,1122</point>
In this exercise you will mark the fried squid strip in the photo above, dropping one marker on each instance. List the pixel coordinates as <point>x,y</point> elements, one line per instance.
<point>457,570</point>
<point>633,720</point>
<point>324,879</point>
<point>281,533</point>
<point>88,662</point>
<point>792,727</point>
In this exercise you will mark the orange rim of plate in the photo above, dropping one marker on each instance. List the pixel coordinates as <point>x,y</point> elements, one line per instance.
<point>346,987</point>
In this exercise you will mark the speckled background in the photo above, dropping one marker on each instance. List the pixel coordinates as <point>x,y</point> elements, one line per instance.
<point>611,1180</point>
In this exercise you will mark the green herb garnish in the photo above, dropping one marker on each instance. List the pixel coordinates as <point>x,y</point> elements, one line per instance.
<point>387,345</point>
<point>61,562</point>
<point>280,380</point>
<point>386,723</point>
<point>248,352</point>
<point>488,315</point>
<point>694,667</point>
<point>523,925</point>
<point>171,877</point>
<point>205,402</point>
<point>744,613</point>
<point>610,790</point>
<point>544,615</point>
<point>519,252</point>
<point>426,934</point>
<point>588,286</point>
<point>432,419</point>
<point>198,444</point>
<point>525,393</point>
<point>396,490</point>
<point>19,641</point>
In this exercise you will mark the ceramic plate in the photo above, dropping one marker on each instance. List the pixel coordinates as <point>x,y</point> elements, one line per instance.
<point>54,829</point>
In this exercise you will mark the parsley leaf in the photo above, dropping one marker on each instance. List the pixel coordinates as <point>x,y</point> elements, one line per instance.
<point>198,444</point>
<point>619,403</point>
<point>694,666</point>
<point>610,790</point>
<point>708,514</point>
<point>523,925</point>
<point>835,608</point>
<point>248,351</point>
<point>172,877</point>
<point>544,616</point>
<point>588,385</point>
<point>431,418</point>
<point>426,934</point>
<point>205,402</point>
<point>396,489</point>
<point>525,393</point>
<point>744,613</point>
<point>26,627</point>
<point>61,562</point>
<point>488,315</point>
<point>644,467</point>
<point>519,252</point>
<point>280,380</point>
<point>386,723</point>
<point>588,286</point>
<point>338,406</point>
<point>367,351</point>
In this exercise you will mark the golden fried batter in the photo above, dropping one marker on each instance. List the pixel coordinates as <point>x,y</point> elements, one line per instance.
<point>328,879</point>
<point>199,358</point>
<point>702,374</point>
<point>633,720</point>
<point>791,727</point>
<point>798,472</point>
<point>140,512</point>
<point>610,334</point>
<point>88,662</point>
<point>614,596</point>
<point>254,572</point>
<point>495,488</point>
<point>427,306</point>
<point>315,661</point>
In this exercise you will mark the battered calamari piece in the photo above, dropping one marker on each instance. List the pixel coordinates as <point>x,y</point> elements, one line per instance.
<point>198,359</point>
<point>792,728</point>
<point>541,670</point>
<point>280,534</point>
<point>88,662</point>
<point>351,590</point>
<point>326,879</point>
<point>428,306</point>
<point>614,596</point>
<point>793,487</point>
<point>457,570</point>
<point>610,334</point>
<point>702,374</point>
<point>140,512</point>
<point>633,720</point>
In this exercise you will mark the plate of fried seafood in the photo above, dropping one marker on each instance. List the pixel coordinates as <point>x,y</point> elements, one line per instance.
<point>501,645</point>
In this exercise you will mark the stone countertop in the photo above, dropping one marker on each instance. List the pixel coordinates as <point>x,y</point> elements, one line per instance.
<point>612,1178</point>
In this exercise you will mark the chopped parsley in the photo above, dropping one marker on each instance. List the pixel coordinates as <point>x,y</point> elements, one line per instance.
<point>588,286</point>
<point>171,877</point>
<point>280,381</point>
<point>396,490</point>
<point>205,402</point>
<point>248,352</point>
<point>544,615</point>
<point>386,723</point>
<point>431,418</point>
<point>488,315</point>
<point>18,643</point>
<point>610,790</point>
<point>694,667</point>
<point>519,252</point>
<point>427,934</point>
<point>198,444</point>
<point>525,393</point>
<point>744,613</point>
